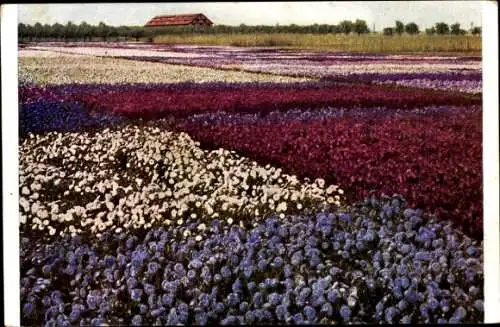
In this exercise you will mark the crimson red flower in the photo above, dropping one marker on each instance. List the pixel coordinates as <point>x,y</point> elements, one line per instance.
<point>435,161</point>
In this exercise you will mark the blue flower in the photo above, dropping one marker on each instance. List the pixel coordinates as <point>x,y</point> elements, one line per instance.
<point>196,264</point>
<point>274,299</point>
<point>390,313</point>
<point>333,296</point>
<point>237,286</point>
<point>191,275</point>
<point>225,272</point>
<point>424,310</point>
<point>75,314</point>
<point>405,249</point>
<point>298,318</point>
<point>109,261</point>
<point>92,302</point>
<point>152,267</point>
<point>131,282</point>
<point>310,313</point>
<point>157,312</point>
<point>143,309</point>
<point>250,317</point>
<point>28,309</point>
<point>460,313</point>
<point>219,307</point>
<point>257,299</point>
<point>345,312</point>
<point>135,294</point>
<point>479,305</point>
<point>281,311</point>
<point>172,318</point>
<point>149,289</point>
<point>201,318</point>
<point>433,303</point>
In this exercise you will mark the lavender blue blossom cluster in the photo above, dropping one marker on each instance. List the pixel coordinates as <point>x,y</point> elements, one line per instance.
<point>45,116</point>
<point>377,261</point>
<point>304,115</point>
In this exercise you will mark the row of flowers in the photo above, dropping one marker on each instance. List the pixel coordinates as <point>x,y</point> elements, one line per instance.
<point>141,176</point>
<point>434,160</point>
<point>136,225</point>
<point>378,261</point>
<point>445,73</point>
<point>304,115</point>
<point>46,116</point>
<point>193,99</point>
<point>88,69</point>
<point>264,53</point>
<point>457,78</point>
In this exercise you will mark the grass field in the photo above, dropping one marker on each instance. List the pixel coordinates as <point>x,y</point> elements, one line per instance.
<point>373,43</point>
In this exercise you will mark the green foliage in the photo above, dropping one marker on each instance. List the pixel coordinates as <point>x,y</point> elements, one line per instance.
<point>389,31</point>
<point>411,28</point>
<point>442,28</point>
<point>430,31</point>
<point>360,27</point>
<point>86,32</point>
<point>476,30</point>
<point>399,28</point>
<point>345,26</point>
<point>455,29</point>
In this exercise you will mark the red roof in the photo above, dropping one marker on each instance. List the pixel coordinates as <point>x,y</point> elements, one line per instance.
<point>174,20</point>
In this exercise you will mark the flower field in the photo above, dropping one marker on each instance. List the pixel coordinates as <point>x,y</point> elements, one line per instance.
<point>166,185</point>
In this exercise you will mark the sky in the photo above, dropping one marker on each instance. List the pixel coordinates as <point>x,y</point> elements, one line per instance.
<point>381,13</point>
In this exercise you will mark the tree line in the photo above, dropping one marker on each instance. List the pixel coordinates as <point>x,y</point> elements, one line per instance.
<point>438,29</point>
<point>87,32</point>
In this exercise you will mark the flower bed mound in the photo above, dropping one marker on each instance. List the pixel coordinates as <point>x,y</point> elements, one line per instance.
<point>379,261</point>
<point>48,116</point>
<point>139,177</point>
<point>192,99</point>
<point>433,160</point>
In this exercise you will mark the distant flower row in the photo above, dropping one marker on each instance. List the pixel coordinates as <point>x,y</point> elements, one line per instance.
<point>185,100</point>
<point>85,70</point>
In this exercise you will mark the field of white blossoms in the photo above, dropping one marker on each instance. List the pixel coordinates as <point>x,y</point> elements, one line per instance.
<point>189,185</point>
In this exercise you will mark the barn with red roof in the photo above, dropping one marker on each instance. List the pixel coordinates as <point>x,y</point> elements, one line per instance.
<point>179,20</point>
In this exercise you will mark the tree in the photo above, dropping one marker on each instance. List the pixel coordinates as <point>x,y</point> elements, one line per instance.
<point>442,28</point>
<point>123,31</point>
<point>103,30</point>
<point>360,27</point>
<point>30,32</point>
<point>58,30</point>
<point>84,31</point>
<point>455,29</point>
<point>138,32</point>
<point>70,31</point>
<point>47,31</point>
<point>37,30</point>
<point>389,31</point>
<point>345,26</point>
<point>476,30</point>
<point>411,28</point>
<point>21,31</point>
<point>430,31</point>
<point>400,27</point>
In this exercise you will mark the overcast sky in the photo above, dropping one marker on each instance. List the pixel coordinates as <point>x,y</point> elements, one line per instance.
<point>382,14</point>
